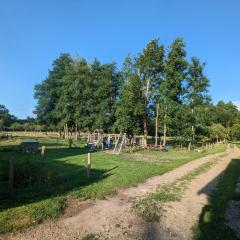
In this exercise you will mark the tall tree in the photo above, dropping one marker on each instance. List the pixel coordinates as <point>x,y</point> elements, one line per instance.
<point>197,92</point>
<point>130,107</point>
<point>105,94</point>
<point>48,92</point>
<point>150,64</point>
<point>172,89</point>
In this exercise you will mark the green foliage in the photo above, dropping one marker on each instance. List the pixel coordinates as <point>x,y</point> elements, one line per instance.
<point>197,84</point>
<point>172,88</point>
<point>86,96</point>
<point>218,132</point>
<point>196,97</point>
<point>6,119</point>
<point>78,94</point>
<point>235,132</point>
<point>130,109</point>
<point>223,113</point>
<point>48,92</point>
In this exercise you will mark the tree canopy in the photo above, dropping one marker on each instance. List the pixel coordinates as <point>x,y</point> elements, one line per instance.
<point>161,88</point>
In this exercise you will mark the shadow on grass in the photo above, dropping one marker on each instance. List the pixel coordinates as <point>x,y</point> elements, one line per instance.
<point>37,179</point>
<point>212,225</point>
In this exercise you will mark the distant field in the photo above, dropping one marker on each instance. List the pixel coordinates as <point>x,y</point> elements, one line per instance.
<point>42,185</point>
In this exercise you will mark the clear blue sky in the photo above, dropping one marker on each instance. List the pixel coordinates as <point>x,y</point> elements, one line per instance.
<point>34,33</point>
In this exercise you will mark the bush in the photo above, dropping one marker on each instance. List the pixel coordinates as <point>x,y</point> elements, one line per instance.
<point>235,132</point>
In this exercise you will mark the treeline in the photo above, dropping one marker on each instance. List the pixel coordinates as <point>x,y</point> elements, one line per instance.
<point>9,122</point>
<point>159,92</point>
<point>6,119</point>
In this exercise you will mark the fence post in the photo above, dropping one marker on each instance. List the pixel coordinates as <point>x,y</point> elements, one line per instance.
<point>70,142</point>
<point>43,151</point>
<point>11,175</point>
<point>89,163</point>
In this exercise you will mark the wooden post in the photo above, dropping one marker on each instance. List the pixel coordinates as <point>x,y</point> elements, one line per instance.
<point>11,175</point>
<point>76,132</point>
<point>165,129</point>
<point>89,163</point>
<point>70,142</point>
<point>43,151</point>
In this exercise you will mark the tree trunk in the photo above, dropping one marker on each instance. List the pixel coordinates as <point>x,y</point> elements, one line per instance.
<point>156,125</point>
<point>193,129</point>
<point>76,132</point>
<point>145,133</point>
<point>165,130</point>
<point>66,131</point>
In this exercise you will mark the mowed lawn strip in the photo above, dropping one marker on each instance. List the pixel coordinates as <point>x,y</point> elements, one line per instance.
<point>43,184</point>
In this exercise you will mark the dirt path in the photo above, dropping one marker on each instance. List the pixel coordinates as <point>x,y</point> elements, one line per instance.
<point>112,219</point>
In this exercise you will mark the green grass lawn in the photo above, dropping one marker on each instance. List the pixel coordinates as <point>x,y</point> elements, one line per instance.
<point>42,185</point>
<point>211,224</point>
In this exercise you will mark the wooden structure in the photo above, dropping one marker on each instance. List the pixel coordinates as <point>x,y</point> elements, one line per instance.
<point>95,140</point>
<point>119,144</point>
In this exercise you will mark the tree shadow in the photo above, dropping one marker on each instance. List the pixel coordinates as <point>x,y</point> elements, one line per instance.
<point>220,190</point>
<point>37,179</point>
<point>151,231</point>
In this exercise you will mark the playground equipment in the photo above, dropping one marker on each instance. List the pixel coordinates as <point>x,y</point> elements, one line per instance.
<point>95,140</point>
<point>108,143</point>
<point>98,137</point>
<point>98,140</point>
<point>119,144</point>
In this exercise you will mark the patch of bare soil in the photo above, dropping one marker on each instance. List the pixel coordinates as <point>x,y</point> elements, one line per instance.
<point>112,218</point>
<point>75,205</point>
